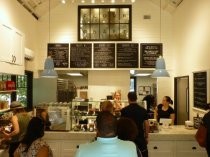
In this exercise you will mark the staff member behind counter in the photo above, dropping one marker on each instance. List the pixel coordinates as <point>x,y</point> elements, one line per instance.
<point>117,103</point>
<point>164,110</point>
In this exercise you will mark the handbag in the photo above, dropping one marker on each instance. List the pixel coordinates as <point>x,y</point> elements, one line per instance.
<point>201,135</point>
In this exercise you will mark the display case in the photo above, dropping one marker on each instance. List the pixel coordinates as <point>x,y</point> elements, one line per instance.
<point>72,116</point>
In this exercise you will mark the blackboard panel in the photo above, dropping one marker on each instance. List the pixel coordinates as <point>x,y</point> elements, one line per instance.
<point>127,55</point>
<point>60,54</point>
<point>149,54</point>
<point>80,55</point>
<point>200,89</point>
<point>104,55</point>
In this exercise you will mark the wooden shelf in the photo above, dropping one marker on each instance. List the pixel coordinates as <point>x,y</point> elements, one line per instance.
<point>7,91</point>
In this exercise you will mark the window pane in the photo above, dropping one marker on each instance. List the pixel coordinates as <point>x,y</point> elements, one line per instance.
<point>85,31</point>
<point>85,16</point>
<point>114,15</point>
<point>94,31</point>
<point>124,15</point>
<point>95,15</point>
<point>104,15</point>
<point>124,31</point>
<point>104,31</point>
<point>114,31</point>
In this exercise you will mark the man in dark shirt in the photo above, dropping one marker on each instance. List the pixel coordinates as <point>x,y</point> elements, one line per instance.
<point>206,123</point>
<point>139,115</point>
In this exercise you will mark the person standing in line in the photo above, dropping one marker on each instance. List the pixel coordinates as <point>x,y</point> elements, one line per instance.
<point>107,143</point>
<point>203,133</point>
<point>32,144</point>
<point>19,120</point>
<point>164,110</point>
<point>107,106</point>
<point>127,130</point>
<point>139,115</point>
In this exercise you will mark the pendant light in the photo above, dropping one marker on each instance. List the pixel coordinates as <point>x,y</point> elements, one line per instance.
<point>160,67</point>
<point>49,71</point>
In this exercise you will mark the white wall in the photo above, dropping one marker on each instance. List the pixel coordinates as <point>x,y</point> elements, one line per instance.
<point>13,14</point>
<point>103,83</point>
<point>191,40</point>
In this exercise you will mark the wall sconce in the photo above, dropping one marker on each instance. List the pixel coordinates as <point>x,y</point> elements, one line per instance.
<point>49,71</point>
<point>160,68</point>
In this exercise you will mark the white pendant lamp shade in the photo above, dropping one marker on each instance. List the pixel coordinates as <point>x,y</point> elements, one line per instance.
<point>49,69</point>
<point>160,68</point>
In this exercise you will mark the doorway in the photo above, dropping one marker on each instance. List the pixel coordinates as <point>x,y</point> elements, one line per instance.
<point>181,99</point>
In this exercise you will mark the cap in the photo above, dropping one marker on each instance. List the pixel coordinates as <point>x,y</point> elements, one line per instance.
<point>16,105</point>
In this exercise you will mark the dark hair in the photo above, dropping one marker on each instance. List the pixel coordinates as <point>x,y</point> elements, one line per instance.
<point>168,99</point>
<point>34,131</point>
<point>106,124</point>
<point>127,129</point>
<point>132,96</point>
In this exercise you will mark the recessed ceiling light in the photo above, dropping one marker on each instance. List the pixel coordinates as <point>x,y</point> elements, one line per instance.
<point>143,74</point>
<point>74,74</point>
<point>63,1</point>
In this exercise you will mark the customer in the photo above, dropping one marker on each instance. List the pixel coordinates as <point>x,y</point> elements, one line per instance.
<point>127,130</point>
<point>150,105</point>
<point>19,122</point>
<point>43,114</point>
<point>139,115</point>
<point>32,144</point>
<point>164,110</point>
<point>107,143</point>
<point>107,106</point>
<point>203,132</point>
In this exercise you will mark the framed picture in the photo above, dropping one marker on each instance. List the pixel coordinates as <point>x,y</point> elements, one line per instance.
<point>144,90</point>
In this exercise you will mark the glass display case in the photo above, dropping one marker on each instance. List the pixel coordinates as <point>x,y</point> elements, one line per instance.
<point>104,23</point>
<point>72,116</point>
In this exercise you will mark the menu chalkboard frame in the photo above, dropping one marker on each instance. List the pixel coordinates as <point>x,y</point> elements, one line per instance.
<point>86,59</point>
<point>101,63</point>
<point>200,90</point>
<point>143,55</point>
<point>53,48</point>
<point>131,61</point>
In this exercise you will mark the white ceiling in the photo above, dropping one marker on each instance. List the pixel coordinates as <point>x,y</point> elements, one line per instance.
<point>39,7</point>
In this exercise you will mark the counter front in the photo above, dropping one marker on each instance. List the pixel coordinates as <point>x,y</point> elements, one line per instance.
<point>176,141</point>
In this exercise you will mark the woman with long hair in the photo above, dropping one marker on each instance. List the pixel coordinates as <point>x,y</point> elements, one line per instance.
<point>32,144</point>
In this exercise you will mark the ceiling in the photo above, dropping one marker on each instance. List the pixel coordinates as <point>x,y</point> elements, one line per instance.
<point>38,8</point>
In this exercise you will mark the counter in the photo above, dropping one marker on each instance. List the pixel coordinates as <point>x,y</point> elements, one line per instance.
<point>171,142</point>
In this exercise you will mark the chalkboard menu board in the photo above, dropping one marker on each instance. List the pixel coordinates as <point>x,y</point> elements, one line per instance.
<point>200,89</point>
<point>127,55</point>
<point>60,54</point>
<point>149,54</point>
<point>104,55</point>
<point>80,55</point>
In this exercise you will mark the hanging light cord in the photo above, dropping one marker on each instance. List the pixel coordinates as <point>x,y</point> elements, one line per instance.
<point>49,18</point>
<point>160,18</point>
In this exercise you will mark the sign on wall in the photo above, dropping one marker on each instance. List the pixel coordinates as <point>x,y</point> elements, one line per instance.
<point>149,54</point>
<point>60,54</point>
<point>104,55</point>
<point>127,55</point>
<point>200,89</point>
<point>80,55</point>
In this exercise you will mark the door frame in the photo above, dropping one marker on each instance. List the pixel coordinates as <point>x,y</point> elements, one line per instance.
<point>175,96</point>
